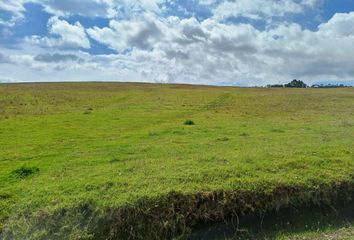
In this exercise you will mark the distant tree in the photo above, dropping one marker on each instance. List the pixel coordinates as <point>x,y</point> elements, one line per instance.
<point>329,86</point>
<point>296,84</point>
<point>275,86</point>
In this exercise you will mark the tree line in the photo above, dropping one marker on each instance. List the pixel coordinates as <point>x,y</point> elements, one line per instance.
<point>300,84</point>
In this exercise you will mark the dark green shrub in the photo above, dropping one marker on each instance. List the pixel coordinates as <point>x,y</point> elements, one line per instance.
<point>4,196</point>
<point>115,160</point>
<point>223,139</point>
<point>24,172</point>
<point>277,130</point>
<point>189,122</point>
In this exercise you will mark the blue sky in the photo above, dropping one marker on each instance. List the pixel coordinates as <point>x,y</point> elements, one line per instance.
<point>235,42</point>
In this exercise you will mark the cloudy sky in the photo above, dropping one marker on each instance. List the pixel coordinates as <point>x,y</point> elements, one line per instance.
<point>224,42</point>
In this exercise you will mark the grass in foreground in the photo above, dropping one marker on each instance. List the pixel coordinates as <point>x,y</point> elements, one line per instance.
<point>65,146</point>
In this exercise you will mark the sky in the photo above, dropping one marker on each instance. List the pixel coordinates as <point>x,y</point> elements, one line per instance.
<point>217,42</point>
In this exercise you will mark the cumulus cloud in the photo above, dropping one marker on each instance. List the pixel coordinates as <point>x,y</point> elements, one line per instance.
<point>341,25</point>
<point>86,8</point>
<point>64,35</point>
<point>50,63</point>
<point>15,8</point>
<point>152,46</point>
<point>12,6</point>
<point>258,9</point>
<point>56,57</point>
<point>99,8</point>
<point>90,8</point>
<point>192,50</point>
<point>121,35</point>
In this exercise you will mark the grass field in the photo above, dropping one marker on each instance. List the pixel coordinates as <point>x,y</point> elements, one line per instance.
<point>86,160</point>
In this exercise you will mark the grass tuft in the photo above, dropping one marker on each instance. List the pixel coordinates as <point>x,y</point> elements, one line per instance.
<point>115,160</point>
<point>223,139</point>
<point>24,172</point>
<point>275,130</point>
<point>189,122</point>
<point>5,196</point>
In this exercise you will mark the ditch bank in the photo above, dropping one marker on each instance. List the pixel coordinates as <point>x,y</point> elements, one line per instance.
<point>175,216</point>
<point>286,221</point>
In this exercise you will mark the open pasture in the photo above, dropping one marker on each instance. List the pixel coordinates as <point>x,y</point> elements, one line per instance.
<point>109,154</point>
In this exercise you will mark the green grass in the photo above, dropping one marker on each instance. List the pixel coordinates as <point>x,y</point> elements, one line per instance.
<point>113,144</point>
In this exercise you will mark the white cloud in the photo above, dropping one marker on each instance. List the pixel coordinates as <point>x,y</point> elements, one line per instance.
<point>63,35</point>
<point>341,25</point>
<point>152,5</point>
<point>67,66</point>
<point>90,8</point>
<point>12,6</point>
<point>87,8</point>
<point>15,8</point>
<point>258,9</point>
<point>152,47</point>
<point>209,51</point>
<point>121,35</point>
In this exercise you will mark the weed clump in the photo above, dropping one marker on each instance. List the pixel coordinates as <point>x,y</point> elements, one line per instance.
<point>244,134</point>
<point>115,160</point>
<point>275,130</point>
<point>24,172</point>
<point>153,134</point>
<point>4,196</point>
<point>189,122</point>
<point>88,111</point>
<point>223,139</point>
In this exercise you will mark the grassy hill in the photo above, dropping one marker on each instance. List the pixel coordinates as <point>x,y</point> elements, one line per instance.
<point>87,160</point>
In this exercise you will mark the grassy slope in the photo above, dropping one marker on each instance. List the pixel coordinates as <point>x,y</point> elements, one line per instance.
<point>133,142</point>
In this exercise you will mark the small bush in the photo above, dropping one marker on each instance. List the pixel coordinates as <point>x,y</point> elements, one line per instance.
<point>189,122</point>
<point>244,134</point>
<point>24,172</point>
